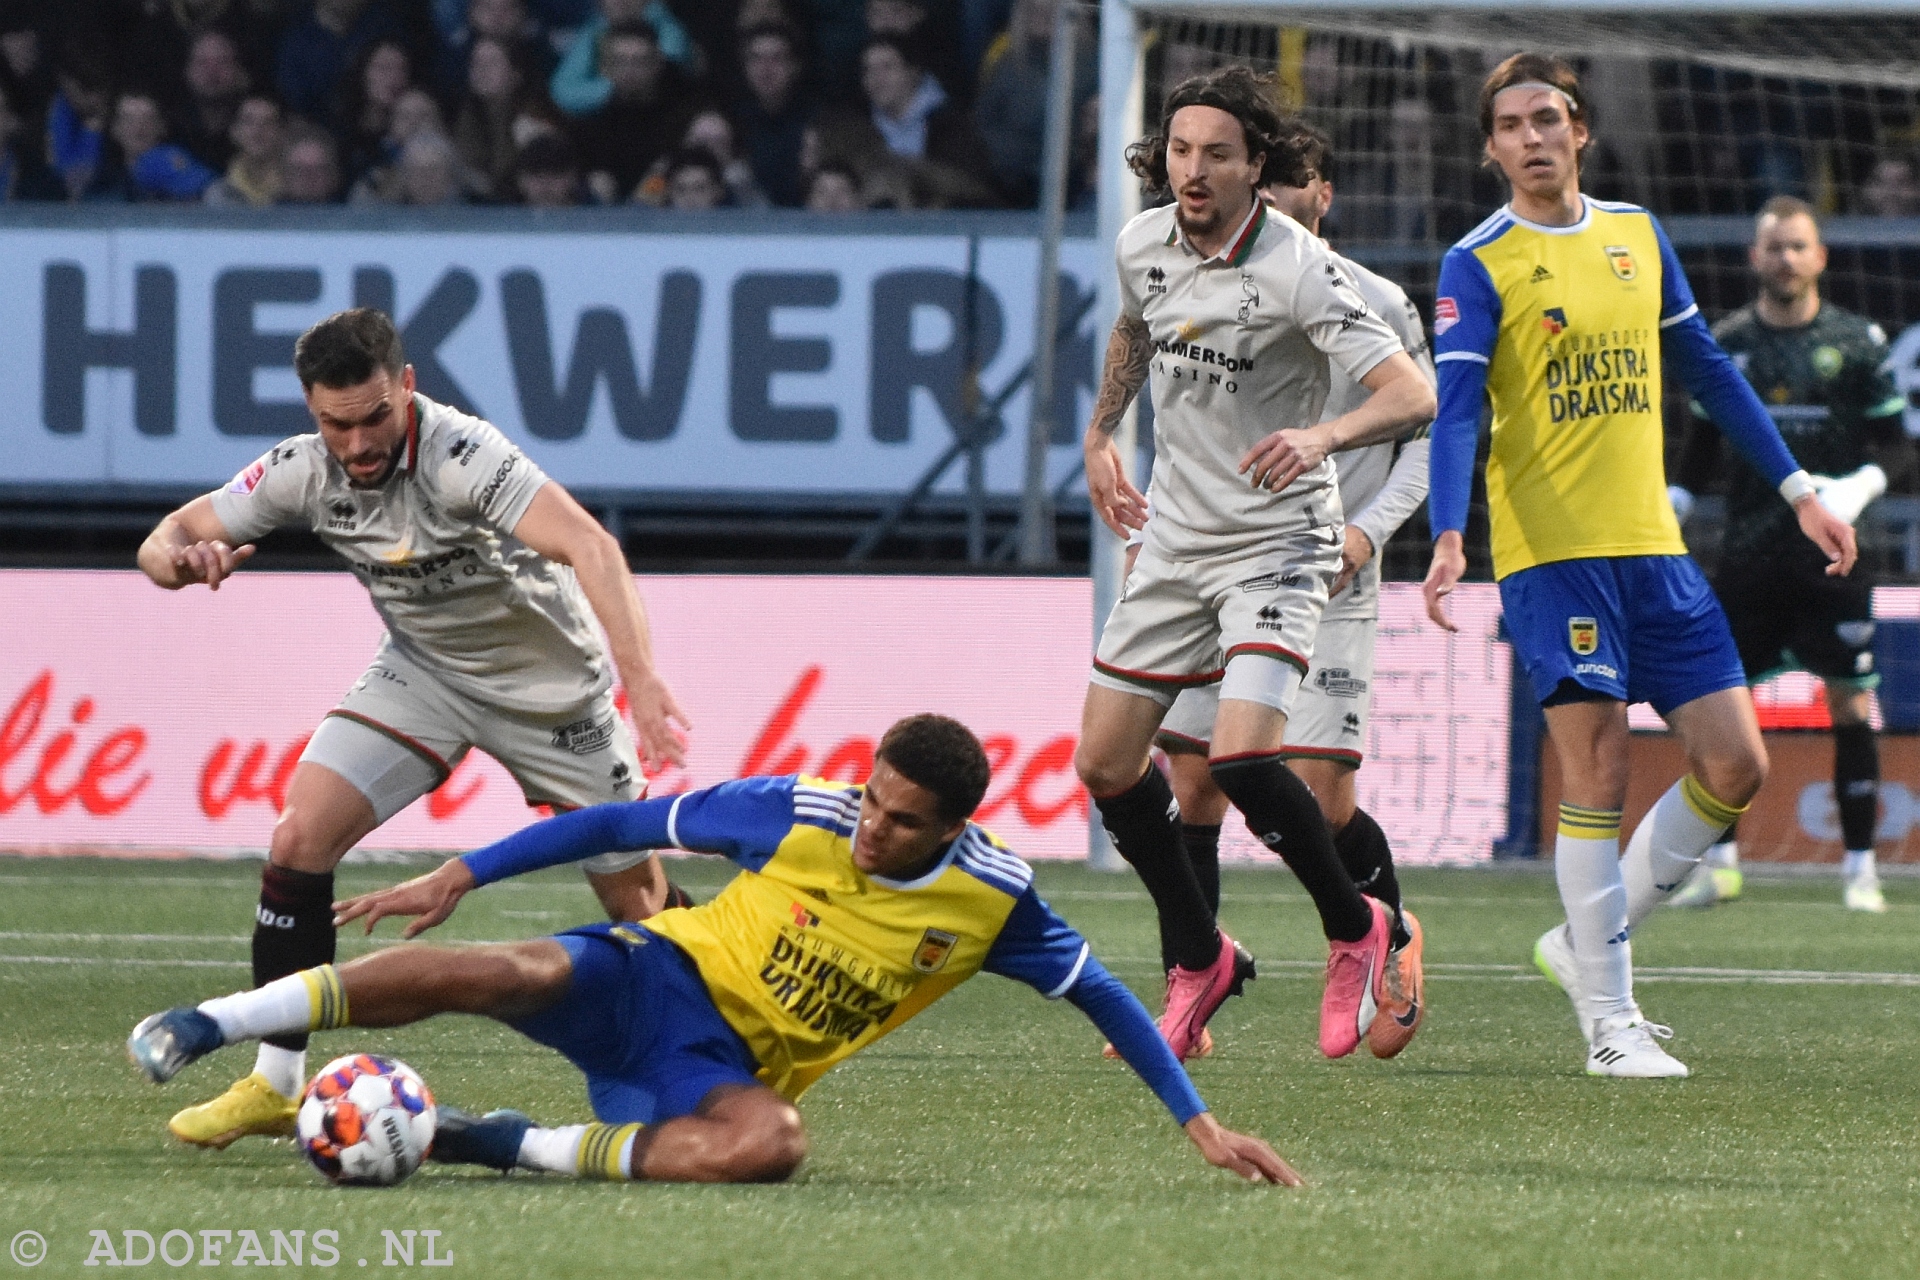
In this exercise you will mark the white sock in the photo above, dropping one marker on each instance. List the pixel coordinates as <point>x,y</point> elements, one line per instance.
<point>283,1006</point>
<point>1724,856</point>
<point>285,1069</point>
<point>1668,843</point>
<point>1858,863</point>
<point>1586,863</point>
<point>552,1150</point>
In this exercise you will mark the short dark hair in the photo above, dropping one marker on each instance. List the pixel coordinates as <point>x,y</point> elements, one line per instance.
<point>777,30</point>
<point>1531,68</point>
<point>1242,94</point>
<point>547,152</point>
<point>942,755</point>
<point>1314,149</point>
<point>347,348</point>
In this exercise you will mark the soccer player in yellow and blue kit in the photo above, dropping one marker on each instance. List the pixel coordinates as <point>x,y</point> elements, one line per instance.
<point>1561,309</point>
<point>856,908</point>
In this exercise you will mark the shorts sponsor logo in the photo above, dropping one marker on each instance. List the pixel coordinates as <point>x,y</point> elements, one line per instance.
<point>245,482</point>
<point>1595,669</point>
<point>1339,682</point>
<point>1583,634</point>
<point>1620,258</point>
<point>584,737</point>
<point>935,946</point>
<point>270,920</point>
<point>1856,634</point>
<point>1270,582</point>
<point>1446,314</point>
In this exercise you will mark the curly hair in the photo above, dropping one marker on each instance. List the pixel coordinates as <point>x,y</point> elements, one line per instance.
<point>942,755</point>
<point>1248,98</point>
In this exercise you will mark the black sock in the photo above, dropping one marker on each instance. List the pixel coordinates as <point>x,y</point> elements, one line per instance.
<point>1856,783</point>
<point>1365,854</point>
<point>1202,847</point>
<point>1140,822</point>
<point>292,930</point>
<point>1282,813</point>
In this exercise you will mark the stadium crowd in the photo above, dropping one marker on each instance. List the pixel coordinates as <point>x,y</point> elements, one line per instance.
<point>830,105</point>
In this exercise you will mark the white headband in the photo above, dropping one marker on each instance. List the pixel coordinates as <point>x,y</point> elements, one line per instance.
<point>1572,105</point>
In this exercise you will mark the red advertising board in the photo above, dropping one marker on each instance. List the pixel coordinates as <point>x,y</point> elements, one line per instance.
<point>147,721</point>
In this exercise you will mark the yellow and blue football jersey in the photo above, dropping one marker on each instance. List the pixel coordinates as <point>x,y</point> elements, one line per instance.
<point>809,959</point>
<point>1566,323</point>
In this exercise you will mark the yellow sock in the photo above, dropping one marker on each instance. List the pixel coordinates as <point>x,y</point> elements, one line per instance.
<point>603,1151</point>
<point>328,998</point>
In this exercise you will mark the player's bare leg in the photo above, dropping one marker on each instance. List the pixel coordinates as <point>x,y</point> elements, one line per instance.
<point>1282,813</point>
<point>324,816</point>
<point>632,894</point>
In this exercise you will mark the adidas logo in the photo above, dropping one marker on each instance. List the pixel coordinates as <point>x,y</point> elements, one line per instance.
<point>1539,274</point>
<point>1607,1055</point>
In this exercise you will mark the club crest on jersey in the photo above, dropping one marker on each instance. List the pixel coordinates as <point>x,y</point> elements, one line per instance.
<point>935,946</point>
<point>1249,295</point>
<point>1620,258</point>
<point>1827,361</point>
<point>1446,314</point>
<point>246,480</point>
<point>1554,321</point>
<point>1583,634</point>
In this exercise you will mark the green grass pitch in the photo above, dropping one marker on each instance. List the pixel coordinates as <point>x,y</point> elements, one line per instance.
<point>990,1139</point>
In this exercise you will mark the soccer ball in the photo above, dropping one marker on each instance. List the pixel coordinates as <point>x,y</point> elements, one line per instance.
<point>366,1120</point>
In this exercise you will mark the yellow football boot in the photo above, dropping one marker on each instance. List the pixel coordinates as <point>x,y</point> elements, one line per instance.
<point>251,1106</point>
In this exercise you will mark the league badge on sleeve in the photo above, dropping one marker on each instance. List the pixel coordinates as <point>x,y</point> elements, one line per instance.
<point>244,482</point>
<point>1620,258</point>
<point>1584,635</point>
<point>935,946</point>
<point>1446,314</point>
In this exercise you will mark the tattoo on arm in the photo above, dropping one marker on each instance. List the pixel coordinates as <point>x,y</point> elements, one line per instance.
<point>1129,351</point>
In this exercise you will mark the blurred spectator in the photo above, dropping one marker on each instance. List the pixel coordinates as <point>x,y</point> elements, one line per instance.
<point>1892,190</point>
<point>646,115</point>
<point>310,173</point>
<point>140,164</point>
<point>910,123</point>
<point>427,173</point>
<point>255,176</point>
<point>774,112</point>
<point>547,172</point>
<point>26,73</point>
<point>712,133</point>
<point>461,24</point>
<point>834,189</point>
<point>1011,112</point>
<point>497,87</point>
<point>318,47</point>
<point>24,174</point>
<point>581,85</point>
<point>838,27</point>
<point>160,33</point>
<point>216,81</point>
<point>694,181</point>
<point>415,114</point>
<point>77,119</point>
<point>937,36</point>
<point>363,117</point>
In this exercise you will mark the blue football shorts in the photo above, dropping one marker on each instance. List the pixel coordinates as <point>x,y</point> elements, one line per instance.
<point>638,1021</point>
<point>1634,628</point>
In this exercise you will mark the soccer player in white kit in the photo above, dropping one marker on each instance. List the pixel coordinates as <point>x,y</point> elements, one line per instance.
<point>1236,312</point>
<point>1380,486</point>
<point>489,577</point>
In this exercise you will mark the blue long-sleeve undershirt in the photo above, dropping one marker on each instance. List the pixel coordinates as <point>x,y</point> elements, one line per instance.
<point>570,837</point>
<point>1125,1022</point>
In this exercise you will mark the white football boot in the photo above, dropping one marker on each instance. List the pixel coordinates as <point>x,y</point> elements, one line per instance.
<point>1862,892</point>
<point>1626,1046</point>
<point>1553,956</point>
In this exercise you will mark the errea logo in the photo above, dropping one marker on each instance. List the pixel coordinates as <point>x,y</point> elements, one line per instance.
<point>1156,280</point>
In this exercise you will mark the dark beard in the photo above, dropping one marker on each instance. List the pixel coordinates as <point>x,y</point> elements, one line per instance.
<point>1190,227</point>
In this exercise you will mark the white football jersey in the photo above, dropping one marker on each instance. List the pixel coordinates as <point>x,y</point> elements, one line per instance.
<point>434,547</point>
<point>1241,344</point>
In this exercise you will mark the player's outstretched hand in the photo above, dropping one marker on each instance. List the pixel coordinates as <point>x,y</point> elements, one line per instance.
<point>1284,457</point>
<point>1830,533</point>
<point>1354,555</point>
<point>431,898</point>
<point>1120,506</point>
<point>210,562</point>
<point>658,722</point>
<point>1443,575</point>
<point>1243,1153</point>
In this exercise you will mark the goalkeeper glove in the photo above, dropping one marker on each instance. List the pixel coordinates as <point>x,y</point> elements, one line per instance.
<point>1848,495</point>
<point>1682,502</point>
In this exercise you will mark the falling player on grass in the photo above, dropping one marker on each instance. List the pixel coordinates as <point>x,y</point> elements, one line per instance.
<point>1821,372</point>
<point>1380,486</point>
<point>1236,312</point>
<point>856,908</point>
<point>1562,309</point>
<point>490,578</point>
